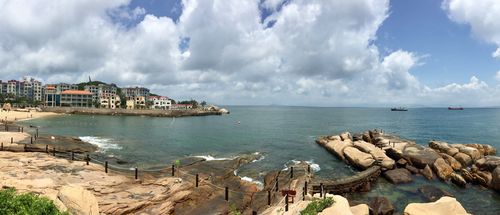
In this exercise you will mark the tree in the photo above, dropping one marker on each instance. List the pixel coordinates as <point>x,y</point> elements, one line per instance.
<point>203,103</point>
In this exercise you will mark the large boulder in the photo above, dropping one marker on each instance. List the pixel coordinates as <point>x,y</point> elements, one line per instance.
<point>488,163</point>
<point>458,180</point>
<point>485,149</point>
<point>338,149</point>
<point>381,206</point>
<point>358,158</point>
<point>427,172</point>
<point>377,153</point>
<point>420,156</point>
<point>463,158</point>
<point>334,137</point>
<point>340,206</point>
<point>473,153</point>
<point>361,209</point>
<point>78,200</point>
<point>495,181</point>
<point>346,136</point>
<point>398,176</point>
<point>442,169</point>
<point>482,178</point>
<point>451,161</point>
<point>443,147</point>
<point>445,205</point>
<point>466,175</point>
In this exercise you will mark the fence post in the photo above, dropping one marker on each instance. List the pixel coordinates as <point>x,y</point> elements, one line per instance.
<point>136,173</point>
<point>286,202</point>
<point>303,193</point>
<point>11,140</point>
<point>54,151</point>
<point>308,168</point>
<point>305,187</point>
<point>291,172</point>
<point>47,149</point>
<point>18,129</point>
<point>321,190</point>
<point>88,159</point>
<point>268,197</point>
<point>254,212</point>
<point>72,155</point>
<point>2,147</point>
<point>196,180</point>
<point>25,147</point>
<point>173,170</point>
<point>31,140</point>
<point>36,133</point>
<point>227,194</point>
<point>277,185</point>
<point>106,167</point>
<point>22,129</point>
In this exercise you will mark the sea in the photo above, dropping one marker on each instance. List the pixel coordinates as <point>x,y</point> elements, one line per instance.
<point>283,135</point>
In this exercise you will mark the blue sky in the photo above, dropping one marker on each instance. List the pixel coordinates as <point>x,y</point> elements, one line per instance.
<point>258,52</point>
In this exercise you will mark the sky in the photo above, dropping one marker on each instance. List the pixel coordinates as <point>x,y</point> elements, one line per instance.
<point>362,53</point>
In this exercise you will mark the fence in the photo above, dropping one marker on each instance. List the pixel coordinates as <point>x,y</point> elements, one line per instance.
<point>272,194</point>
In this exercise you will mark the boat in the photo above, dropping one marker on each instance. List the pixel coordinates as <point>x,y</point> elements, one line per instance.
<point>455,108</point>
<point>399,109</point>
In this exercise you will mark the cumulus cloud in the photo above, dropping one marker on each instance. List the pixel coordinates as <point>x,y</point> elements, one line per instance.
<point>482,16</point>
<point>315,53</point>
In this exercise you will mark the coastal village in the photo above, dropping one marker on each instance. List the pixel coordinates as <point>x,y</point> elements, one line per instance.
<point>29,92</point>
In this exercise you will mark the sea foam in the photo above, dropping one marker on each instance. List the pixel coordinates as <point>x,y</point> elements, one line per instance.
<point>103,143</point>
<point>211,158</point>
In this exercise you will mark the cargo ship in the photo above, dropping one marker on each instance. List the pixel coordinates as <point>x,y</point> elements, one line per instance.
<point>399,109</point>
<point>455,108</point>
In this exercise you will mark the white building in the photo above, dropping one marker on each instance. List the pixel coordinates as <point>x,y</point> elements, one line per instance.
<point>110,101</point>
<point>160,102</point>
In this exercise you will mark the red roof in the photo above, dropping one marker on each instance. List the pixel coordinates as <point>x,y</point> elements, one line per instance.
<point>76,92</point>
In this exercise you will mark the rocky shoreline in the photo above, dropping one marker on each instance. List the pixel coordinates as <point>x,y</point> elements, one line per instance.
<point>127,112</point>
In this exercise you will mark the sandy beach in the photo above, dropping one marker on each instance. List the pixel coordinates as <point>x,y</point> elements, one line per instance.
<point>24,115</point>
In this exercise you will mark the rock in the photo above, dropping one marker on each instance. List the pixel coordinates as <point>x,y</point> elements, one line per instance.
<point>495,181</point>
<point>334,137</point>
<point>381,206</point>
<point>427,172</point>
<point>357,137</point>
<point>340,206</point>
<point>464,159</point>
<point>451,161</point>
<point>485,149</point>
<point>482,178</point>
<point>466,175</point>
<point>394,153</point>
<point>412,169</point>
<point>458,180</point>
<point>358,158</point>
<point>361,209</point>
<point>366,137</point>
<point>398,176</point>
<point>473,153</point>
<point>442,169</point>
<point>377,153</point>
<point>78,200</point>
<point>443,147</point>
<point>401,163</point>
<point>338,149</point>
<point>445,205</point>
<point>346,136</point>
<point>488,163</point>
<point>432,193</point>
<point>330,146</point>
<point>420,156</point>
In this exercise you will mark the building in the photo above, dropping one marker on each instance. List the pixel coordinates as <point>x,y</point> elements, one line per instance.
<point>138,102</point>
<point>110,102</point>
<point>159,102</point>
<point>101,91</point>
<point>181,106</point>
<point>50,96</point>
<point>28,88</point>
<point>61,87</point>
<point>132,92</point>
<point>76,98</point>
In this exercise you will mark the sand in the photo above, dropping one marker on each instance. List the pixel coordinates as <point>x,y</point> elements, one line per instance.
<point>21,115</point>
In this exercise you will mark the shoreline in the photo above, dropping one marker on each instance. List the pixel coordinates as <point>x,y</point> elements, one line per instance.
<point>135,112</point>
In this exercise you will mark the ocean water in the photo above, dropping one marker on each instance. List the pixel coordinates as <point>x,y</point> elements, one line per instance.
<point>284,135</point>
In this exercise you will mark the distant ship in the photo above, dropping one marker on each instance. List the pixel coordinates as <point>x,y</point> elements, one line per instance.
<point>399,109</point>
<point>455,108</point>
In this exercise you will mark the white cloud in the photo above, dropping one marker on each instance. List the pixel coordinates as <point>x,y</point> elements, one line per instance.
<point>316,53</point>
<point>482,16</point>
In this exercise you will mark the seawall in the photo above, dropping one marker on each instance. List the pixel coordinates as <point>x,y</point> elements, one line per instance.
<point>128,112</point>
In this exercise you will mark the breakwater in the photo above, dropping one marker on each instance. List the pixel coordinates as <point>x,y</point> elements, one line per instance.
<point>129,112</point>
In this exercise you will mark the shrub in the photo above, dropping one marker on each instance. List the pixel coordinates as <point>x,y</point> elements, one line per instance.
<point>27,203</point>
<point>317,206</point>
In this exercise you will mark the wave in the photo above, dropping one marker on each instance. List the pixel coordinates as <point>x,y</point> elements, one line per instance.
<point>211,158</point>
<point>251,180</point>
<point>314,166</point>
<point>103,143</point>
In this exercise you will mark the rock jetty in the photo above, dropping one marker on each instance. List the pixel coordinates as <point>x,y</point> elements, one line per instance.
<point>400,159</point>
